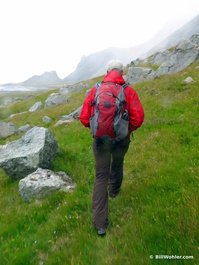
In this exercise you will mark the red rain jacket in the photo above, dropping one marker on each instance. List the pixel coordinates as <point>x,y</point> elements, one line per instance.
<point>134,107</point>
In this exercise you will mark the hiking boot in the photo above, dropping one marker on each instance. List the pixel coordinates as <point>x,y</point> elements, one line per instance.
<point>113,196</point>
<point>101,231</point>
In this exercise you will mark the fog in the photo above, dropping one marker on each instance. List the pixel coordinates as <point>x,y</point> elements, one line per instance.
<point>53,35</point>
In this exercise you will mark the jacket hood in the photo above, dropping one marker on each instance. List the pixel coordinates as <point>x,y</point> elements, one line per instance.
<point>114,76</point>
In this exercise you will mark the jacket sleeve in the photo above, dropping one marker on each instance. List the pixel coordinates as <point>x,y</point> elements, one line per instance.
<point>86,110</point>
<point>136,112</point>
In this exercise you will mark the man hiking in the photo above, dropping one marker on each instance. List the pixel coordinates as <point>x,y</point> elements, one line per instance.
<point>112,110</point>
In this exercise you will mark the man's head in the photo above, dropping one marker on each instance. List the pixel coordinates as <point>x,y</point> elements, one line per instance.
<point>115,65</point>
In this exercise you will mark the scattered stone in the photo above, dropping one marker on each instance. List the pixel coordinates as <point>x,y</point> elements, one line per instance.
<point>189,80</point>
<point>37,148</point>
<point>46,119</point>
<point>7,129</point>
<point>43,182</point>
<point>16,114</point>
<point>66,119</point>
<point>36,106</point>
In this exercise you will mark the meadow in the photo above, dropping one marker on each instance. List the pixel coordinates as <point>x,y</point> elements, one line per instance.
<point>156,213</point>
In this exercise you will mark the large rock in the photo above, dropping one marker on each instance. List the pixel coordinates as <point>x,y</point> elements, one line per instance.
<point>43,182</point>
<point>37,148</point>
<point>54,100</point>
<point>7,129</point>
<point>139,74</point>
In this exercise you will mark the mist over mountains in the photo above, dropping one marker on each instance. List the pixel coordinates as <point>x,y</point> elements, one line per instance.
<point>95,64</point>
<point>185,32</point>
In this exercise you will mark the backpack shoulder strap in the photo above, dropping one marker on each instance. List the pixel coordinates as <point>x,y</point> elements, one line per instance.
<point>124,85</point>
<point>97,86</point>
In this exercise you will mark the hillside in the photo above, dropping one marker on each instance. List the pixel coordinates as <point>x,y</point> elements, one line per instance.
<point>157,210</point>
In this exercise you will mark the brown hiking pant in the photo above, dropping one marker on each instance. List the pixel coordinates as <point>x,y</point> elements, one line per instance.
<point>109,160</point>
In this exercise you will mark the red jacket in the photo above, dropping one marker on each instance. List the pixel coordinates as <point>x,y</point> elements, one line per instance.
<point>134,107</point>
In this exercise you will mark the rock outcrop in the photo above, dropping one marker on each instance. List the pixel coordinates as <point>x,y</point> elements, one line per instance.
<point>43,182</point>
<point>185,53</point>
<point>37,148</point>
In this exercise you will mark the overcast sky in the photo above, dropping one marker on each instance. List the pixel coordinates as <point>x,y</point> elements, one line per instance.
<point>47,35</point>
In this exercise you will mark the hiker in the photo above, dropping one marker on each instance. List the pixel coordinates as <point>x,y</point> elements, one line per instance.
<point>109,149</point>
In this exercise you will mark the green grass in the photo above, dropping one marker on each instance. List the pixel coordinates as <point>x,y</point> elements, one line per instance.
<point>157,210</point>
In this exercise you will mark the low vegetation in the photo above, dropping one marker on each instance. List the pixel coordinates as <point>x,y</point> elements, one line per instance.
<point>156,212</point>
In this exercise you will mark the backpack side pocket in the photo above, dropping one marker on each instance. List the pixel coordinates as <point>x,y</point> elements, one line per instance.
<point>93,125</point>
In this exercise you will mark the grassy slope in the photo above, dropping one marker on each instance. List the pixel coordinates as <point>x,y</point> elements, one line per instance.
<point>156,212</point>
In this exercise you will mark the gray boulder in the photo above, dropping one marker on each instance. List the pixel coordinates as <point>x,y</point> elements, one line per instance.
<point>36,106</point>
<point>43,182</point>
<point>46,119</point>
<point>139,74</point>
<point>54,100</point>
<point>37,148</point>
<point>65,119</point>
<point>7,129</point>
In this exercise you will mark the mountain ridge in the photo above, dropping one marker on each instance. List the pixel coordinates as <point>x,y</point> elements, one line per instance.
<point>95,64</point>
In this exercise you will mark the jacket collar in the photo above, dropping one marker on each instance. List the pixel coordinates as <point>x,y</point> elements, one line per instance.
<point>115,77</point>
